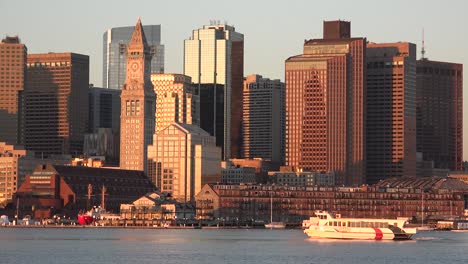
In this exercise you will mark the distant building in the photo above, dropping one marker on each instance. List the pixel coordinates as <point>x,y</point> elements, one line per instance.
<point>115,47</point>
<point>391,111</point>
<point>214,59</point>
<point>238,175</point>
<point>65,189</point>
<point>56,103</point>
<point>137,104</point>
<point>439,108</point>
<point>325,128</point>
<point>9,167</point>
<point>182,159</point>
<point>12,78</point>
<point>104,109</point>
<point>175,100</point>
<point>302,178</point>
<point>262,167</point>
<point>104,143</point>
<point>263,126</point>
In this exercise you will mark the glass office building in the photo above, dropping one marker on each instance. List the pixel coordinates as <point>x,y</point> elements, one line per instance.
<point>115,41</point>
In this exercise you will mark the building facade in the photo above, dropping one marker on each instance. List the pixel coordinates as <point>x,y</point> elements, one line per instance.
<point>391,111</point>
<point>439,99</point>
<point>104,109</point>
<point>9,167</point>
<point>56,103</point>
<point>302,178</point>
<point>115,47</point>
<point>291,204</point>
<point>175,100</point>
<point>13,55</point>
<point>238,175</point>
<point>137,104</point>
<point>68,189</point>
<point>214,59</point>
<point>182,159</point>
<point>263,126</point>
<point>325,108</point>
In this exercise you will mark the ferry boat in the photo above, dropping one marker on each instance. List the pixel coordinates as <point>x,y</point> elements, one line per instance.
<point>327,225</point>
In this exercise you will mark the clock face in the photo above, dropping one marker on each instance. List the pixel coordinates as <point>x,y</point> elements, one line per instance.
<point>135,66</point>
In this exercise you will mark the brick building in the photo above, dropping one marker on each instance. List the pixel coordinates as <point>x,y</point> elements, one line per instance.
<point>53,188</point>
<point>403,197</point>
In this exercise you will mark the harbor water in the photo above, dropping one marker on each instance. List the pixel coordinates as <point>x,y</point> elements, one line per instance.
<point>174,246</point>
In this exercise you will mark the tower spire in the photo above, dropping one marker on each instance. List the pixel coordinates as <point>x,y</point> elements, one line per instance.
<point>423,50</point>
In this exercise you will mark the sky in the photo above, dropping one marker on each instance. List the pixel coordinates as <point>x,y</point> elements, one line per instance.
<point>273,30</point>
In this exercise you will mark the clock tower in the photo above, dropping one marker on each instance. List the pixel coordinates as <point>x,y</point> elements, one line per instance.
<point>137,104</point>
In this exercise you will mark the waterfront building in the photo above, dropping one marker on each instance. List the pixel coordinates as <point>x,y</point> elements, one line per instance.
<point>391,111</point>
<point>439,108</point>
<point>137,104</point>
<point>325,105</point>
<point>12,78</point>
<point>156,209</point>
<point>391,198</point>
<point>56,103</point>
<point>238,175</point>
<point>175,100</point>
<point>69,189</point>
<point>182,159</point>
<point>263,126</point>
<point>115,47</point>
<point>214,59</point>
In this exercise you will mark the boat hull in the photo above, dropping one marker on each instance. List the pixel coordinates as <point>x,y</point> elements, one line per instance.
<point>85,219</point>
<point>358,234</point>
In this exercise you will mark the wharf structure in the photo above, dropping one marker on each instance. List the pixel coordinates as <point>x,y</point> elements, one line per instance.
<point>428,198</point>
<point>50,189</point>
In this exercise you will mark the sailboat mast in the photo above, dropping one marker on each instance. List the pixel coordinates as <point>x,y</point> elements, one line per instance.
<point>271,207</point>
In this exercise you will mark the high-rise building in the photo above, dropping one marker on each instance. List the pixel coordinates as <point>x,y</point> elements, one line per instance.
<point>115,45</point>
<point>12,77</point>
<point>9,167</point>
<point>175,100</point>
<point>56,103</point>
<point>263,119</point>
<point>391,111</point>
<point>214,59</point>
<point>137,104</point>
<point>182,159</point>
<point>104,109</point>
<point>325,109</point>
<point>439,97</point>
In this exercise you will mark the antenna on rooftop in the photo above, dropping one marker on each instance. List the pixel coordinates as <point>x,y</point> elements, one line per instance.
<point>423,50</point>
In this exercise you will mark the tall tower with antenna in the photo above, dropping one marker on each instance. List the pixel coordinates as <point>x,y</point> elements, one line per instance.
<point>423,50</point>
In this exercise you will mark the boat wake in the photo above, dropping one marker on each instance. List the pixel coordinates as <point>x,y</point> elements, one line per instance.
<point>426,238</point>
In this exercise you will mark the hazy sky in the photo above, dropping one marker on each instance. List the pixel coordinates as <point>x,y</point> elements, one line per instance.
<point>273,30</point>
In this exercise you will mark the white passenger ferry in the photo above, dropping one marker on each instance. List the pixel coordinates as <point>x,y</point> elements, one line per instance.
<point>327,225</point>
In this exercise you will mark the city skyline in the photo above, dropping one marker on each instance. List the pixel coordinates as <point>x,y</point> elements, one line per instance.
<point>267,42</point>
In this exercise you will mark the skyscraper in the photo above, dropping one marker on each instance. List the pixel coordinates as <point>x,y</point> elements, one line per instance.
<point>182,159</point>
<point>137,104</point>
<point>214,59</point>
<point>439,96</point>
<point>104,109</point>
<point>12,78</point>
<point>175,101</point>
<point>56,103</point>
<point>263,119</point>
<point>325,109</point>
<point>115,44</point>
<point>391,111</point>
